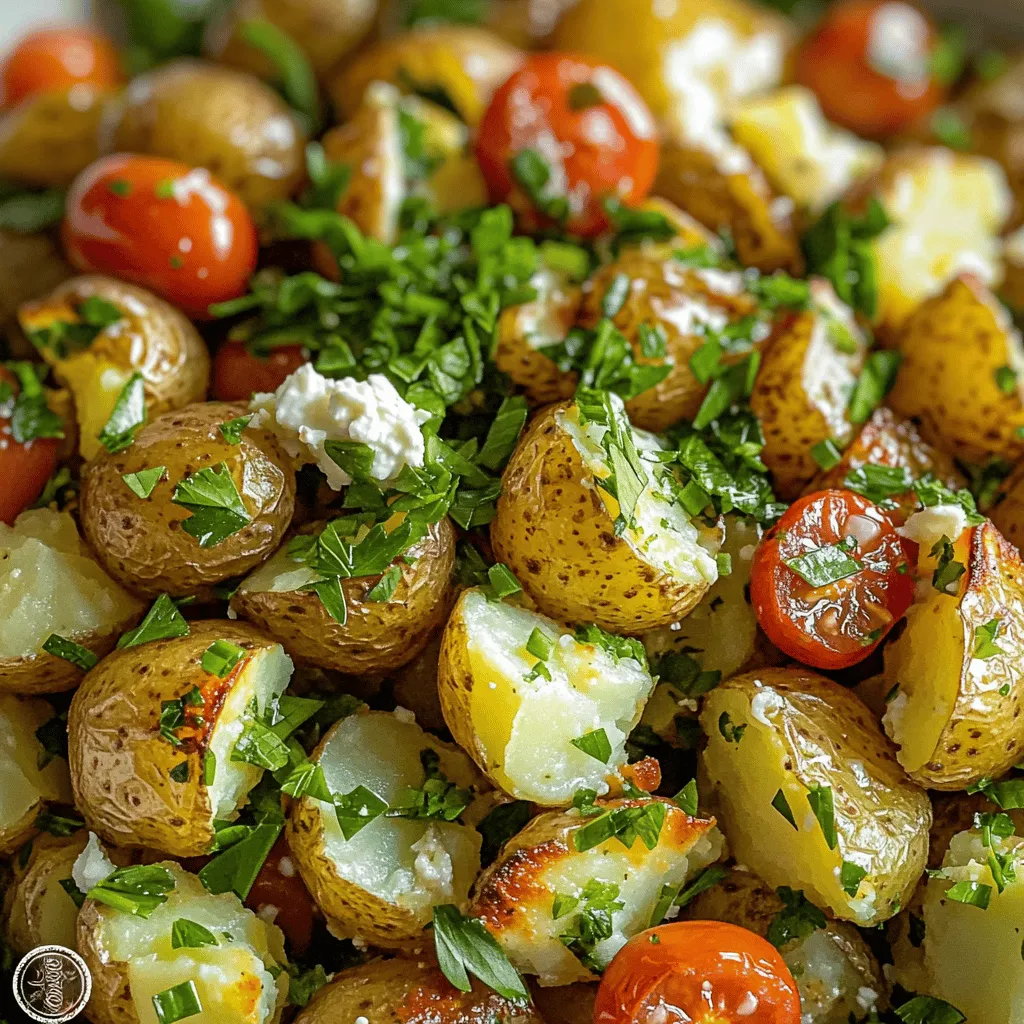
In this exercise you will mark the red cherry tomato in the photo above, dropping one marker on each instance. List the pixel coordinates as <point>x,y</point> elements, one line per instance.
<point>830,624</point>
<point>237,372</point>
<point>697,971</point>
<point>278,885</point>
<point>581,124</point>
<point>869,62</point>
<point>164,225</point>
<point>56,59</point>
<point>24,466</point>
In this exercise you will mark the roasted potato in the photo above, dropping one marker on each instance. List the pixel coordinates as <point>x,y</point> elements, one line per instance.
<point>51,583</point>
<point>414,685</point>
<point>398,991</point>
<point>810,793</point>
<point>522,726</point>
<point>808,371</point>
<point>1008,511</point>
<point>151,338</point>
<point>239,980</point>
<point>382,882</point>
<point>958,378</point>
<point>30,265</point>
<point>835,970</point>
<point>146,543</point>
<point>554,528</point>
<point>377,636</point>
<point>955,715</point>
<point>208,115</point>
<point>515,896</point>
<point>955,812</point>
<point>47,138</point>
<point>459,66</point>
<point>31,777</point>
<point>566,1004</point>
<point>140,781</point>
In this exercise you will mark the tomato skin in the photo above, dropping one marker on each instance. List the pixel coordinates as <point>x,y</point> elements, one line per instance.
<point>835,61</point>
<point>164,225</point>
<point>840,624</point>
<point>237,372</point>
<point>56,59</point>
<point>279,885</point>
<point>24,467</point>
<point>697,971</point>
<point>608,147</point>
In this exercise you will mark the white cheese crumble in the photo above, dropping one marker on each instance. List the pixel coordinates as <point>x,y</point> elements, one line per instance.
<point>92,865</point>
<point>404,715</point>
<point>928,526</point>
<point>765,704</point>
<point>433,865</point>
<point>308,410</point>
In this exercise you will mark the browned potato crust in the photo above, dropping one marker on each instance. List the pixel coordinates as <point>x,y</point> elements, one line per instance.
<point>215,117</point>
<point>141,542</point>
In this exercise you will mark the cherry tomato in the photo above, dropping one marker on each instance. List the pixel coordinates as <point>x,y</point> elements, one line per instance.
<point>697,971</point>
<point>278,885</point>
<point>237,372</point>
<point>830,579</point>
<point>24,466</point>
<point>870,64</point>
<point>563,134</point>
<point>57,59</point>
<point>164,225</point>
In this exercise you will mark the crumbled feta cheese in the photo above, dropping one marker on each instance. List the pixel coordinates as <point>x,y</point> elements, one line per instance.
<point>287,867</point>
<point>764,704</point>
<point>308,410</point>
<point>92,865</point>
<point>404,715</point>
<point>928,526</point>
<point>433,865</point>
<point>866,998</point>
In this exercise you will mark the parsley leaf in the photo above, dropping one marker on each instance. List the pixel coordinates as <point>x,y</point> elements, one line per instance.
<point>873,384</point>
<point>127,416</point>
<point>595,744</point>
<point>820,800</point>
<point>177,1003</point>
<point>232,430</point>
<point>136,890</point>
<point>464,947</point>
<point>797,919</point>
<point>625,824</point>
<point>79,656</point>
<point>825,565</point>
<point>928,1010</point>
<point>985,645</point>
<point>221,657</point>
<point>217,510</point>
<point>163,621</point>
<point>143,483</point>
<point>948,570</point>
<point>186,934</point>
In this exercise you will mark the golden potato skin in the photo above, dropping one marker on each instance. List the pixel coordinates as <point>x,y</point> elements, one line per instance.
<point>409,991</point>
<point>45,140</point>
<point>207,115</point>
<point>466,62</point>
<point>455,687</point>
<point>952,347</point>
<point>556,535</point>
<point>111,1000</point>
<point>141,543</point>
<point>1008,512</point>
<point>379,635</point>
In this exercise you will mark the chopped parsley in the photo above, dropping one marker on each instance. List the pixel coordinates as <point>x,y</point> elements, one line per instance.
<point>625,824</point>
<point>947,570</point>
<point>592,920</point>
<point>730,733</point>
<point>232,430</point>
<point>221,657</point>
<point>163,621</point>
<point>143,483</point>
<point>177,1003</point>
<point>464,946</point>
<point>79,656</point>
<point>64,337</point>
<point>595,744</point>
<point>985,645</point>
<point>127,416</point>
<point>781,804</point>
<point>928,1010</point>
<point>533,175</point>
<point>821,803</point>
<point>797,919</point>
<point>30,416</point>
<point>824,566</point>
<point>217,509</point>
<point>136,890</point>
<point>873,384</point>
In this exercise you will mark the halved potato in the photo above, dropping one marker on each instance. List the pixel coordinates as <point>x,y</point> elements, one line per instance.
<point>519,724</point>
<point>515,896</point>
<point>808,371</point>
<point>240,980</point>
<point>144,777</point>
<point>955,716</point>
<point>377,636</point>
<point>50,583</point>
<point>381,884</point>
<point>30,777</point>
<point>783,742</point>
<point>555,528</point>
<point>152,338</point>
<point>835,971</point>
<point>959,378</point>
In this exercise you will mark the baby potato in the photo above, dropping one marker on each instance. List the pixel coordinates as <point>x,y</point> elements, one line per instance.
<point>377,636</point>
<point>51,583</point>
<point>151,337</point>
<point>30,265</point>
<point>153,734</point>
<point>240,979</point>
<point>523,726</point>
<point>835,971</point>
<point>49,137</point>
<point>810,793</point>
<point>1008,512</point>
<point>459,66</point>
<point>551,860</point>
<point>414,685</point>
<point>953,813</point>
<point>808,371</point>
<point>398,990</point>
<point>555,528</point>
<point>959,374</point>
<point>148,544</point>
<point>377,877</point>
<point>30,776</point>
<point>567,1004</point>
<point>957,664</point>
<point>211,116</point>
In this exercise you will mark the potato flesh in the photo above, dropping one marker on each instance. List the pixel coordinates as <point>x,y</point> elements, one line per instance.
<point>413,864</point>
<point>49,584</point>
<point>57,913</point>
<point>526,728</point>
<point>22,783</point>
<point>96,385</point>
<point>830,987</point>
<point>231,978</point>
